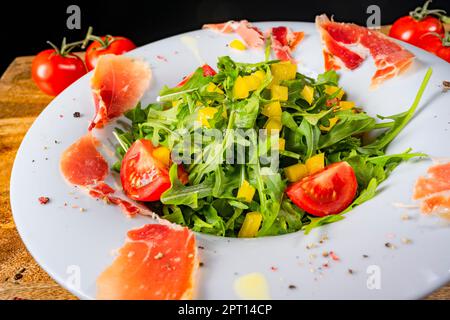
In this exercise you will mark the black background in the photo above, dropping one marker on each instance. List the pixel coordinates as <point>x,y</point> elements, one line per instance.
<point>25,27</point>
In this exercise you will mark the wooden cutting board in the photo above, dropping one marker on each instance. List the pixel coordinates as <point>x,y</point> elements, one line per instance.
<point>20,103</point>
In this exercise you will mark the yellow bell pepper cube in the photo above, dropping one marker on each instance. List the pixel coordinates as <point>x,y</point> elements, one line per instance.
<point>238,45</point>
<point>176,102</point>
<point>272,109</point>
<point>315,163</point>
<point>273,123</point>
<point>261,75</point>
<point>332,121</point>
<point>330,90</point>
<point>252,82</point>
<point>240,89</point>
<point>279,92</point>
<point>162,154</point>
<point>346,105</point>
<point>213,88</point>
<point>308,94</point>
<point>296,172</point>
<point>284,70</point>
<point>281,144</point>
<point>246,191</point>
<point>250,227</point>
<point>206,114</point>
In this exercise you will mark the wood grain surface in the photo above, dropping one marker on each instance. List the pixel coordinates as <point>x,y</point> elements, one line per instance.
<point>20,103</point>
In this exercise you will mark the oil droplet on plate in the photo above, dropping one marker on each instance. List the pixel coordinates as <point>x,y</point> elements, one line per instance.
<point>252,286</point>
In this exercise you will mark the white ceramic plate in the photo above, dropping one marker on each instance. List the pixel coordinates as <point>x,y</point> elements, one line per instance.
<point>74,247</point>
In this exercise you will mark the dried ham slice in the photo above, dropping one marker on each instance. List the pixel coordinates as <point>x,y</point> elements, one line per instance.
<point>427,186</point>
<point>252,36</point>
<point>118,83</point>
<point>347,44</point>
<point>434,191</point>
<point>284,41</point>
<point>156,262</point>
<point>439,203</point>
<point>82,165</point>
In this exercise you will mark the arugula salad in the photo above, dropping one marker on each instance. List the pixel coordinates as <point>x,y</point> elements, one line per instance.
<point>256,149</point>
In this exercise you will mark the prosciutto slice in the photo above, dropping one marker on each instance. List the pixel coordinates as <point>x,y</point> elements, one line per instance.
<point>434,191</point>
<point>157,262</point>
<point>118,83</point>
<point>348,45</point>
<point>82,165</point>
<point>252,36</point>
<point>284,41</point>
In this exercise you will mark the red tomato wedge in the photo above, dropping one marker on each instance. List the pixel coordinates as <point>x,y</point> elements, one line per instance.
<point>143,177</point>
<point>157,262</point>
<point>326,192</point>
<point>207,72</point>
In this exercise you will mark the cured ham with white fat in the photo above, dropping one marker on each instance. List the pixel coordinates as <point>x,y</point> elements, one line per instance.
<point>118,84</point>
<point>347,45</point>
<point>157,262</point>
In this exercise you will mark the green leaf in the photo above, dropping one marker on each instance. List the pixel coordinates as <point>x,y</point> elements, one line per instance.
<point>317,222</point>
<point>400,120</point>
<point>178,194</point>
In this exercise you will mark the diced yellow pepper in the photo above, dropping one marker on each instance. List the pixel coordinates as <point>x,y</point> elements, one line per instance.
<point>213,88</point>
<point>162,154</point>
<point>246,191</point>
<point>284,70</point>
<point>330,90</point>
<point>252,82</point>
<point>332,121</point>
<point>206,114</point>
<point>308,94</point>
<point>273,123</point>
<point>240,89</point>
<point>281,144</point>
<point>251,225</point>
<point>296,172</point>
<point>272,109</point>
<point>261,75</point>
<point>238,45</point>
<point>279,92</point>
<point>315,163</point>
<point>175,103</point>
<point>346,105</point>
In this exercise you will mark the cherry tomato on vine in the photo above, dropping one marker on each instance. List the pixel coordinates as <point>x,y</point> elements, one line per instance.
<point>410,30</point>
<point>54,70</point>
<point>419,22</point>
<point>106,45</point>
<point>444,53</point>
<point>430,42</point>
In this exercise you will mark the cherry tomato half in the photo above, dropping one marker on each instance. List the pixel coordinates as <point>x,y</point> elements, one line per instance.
<point>326,192</point>
<point>110,45</point>
<point>53,72</point>
<point>143,177</point>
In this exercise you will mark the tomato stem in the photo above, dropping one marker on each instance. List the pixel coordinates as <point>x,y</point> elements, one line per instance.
<point>103,42</point>
<point>421,13</point>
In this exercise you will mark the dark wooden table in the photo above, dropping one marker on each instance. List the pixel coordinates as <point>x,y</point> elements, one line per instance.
<point>20,103</point>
